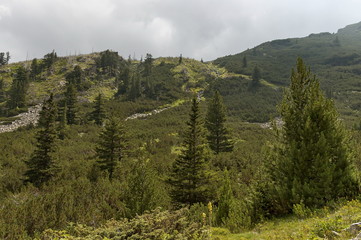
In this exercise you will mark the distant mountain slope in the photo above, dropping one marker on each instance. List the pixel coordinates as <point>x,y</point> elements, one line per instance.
<point>132,83</point>
<point>334,57</point>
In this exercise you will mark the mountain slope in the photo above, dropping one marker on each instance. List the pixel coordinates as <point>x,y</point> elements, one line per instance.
<point>334,57</point>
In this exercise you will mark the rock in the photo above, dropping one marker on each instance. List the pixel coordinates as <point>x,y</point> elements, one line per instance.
<point>358,237</point>
<point>30,117</point>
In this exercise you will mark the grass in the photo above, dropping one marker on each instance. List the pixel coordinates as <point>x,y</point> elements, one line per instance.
<point>322,224</point>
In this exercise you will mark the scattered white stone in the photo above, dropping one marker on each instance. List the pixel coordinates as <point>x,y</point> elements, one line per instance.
<point>30,117</point>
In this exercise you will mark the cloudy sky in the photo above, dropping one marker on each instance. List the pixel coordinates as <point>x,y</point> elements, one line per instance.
<point>196,28</point>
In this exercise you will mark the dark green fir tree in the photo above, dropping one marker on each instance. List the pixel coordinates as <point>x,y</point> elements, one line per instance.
<point>63,122</point>
<point>190,179</point>
<point>41,164</point>
<point>71,101</point>
<point>112,146</point>
<point>98,114</point>
<point>19,88</point>
<point>135,88</point>
<point>311,163</point>
<point>218,135</point>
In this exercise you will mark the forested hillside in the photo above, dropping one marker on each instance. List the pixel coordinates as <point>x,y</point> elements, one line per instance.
<point>334,57</point>
<point>175,148</point>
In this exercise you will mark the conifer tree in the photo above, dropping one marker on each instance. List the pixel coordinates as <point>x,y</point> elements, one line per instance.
<point>135,88</point>
<point>149,88</point>
<point>311,162</point>
<point>2,91</point>
<point>123,81</point>
<point>71,99</point>
<point>218,135</point>
<point>98,114</point>
<point>62,121</point>
<point>245,64</point>
<point>35,69</point>
<point>148,64</point>
<point>256,75</point>
<point>41,164</point>
<point>19,88</point>
<point>112,146</point>
<point>189,178</point>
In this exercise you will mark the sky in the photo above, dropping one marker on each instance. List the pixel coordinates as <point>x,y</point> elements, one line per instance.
<point>200,29</point>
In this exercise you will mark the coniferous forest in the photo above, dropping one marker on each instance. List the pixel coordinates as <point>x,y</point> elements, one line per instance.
<point>176,148</point>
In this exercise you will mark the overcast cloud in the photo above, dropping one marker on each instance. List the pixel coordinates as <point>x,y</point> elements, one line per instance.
<point>196,28</point>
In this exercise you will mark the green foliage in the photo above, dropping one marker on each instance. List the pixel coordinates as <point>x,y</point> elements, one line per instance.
<point>154,225</point>
<point>135,88</point>
<point>108,62</point>
<point>256,75</point>
<point>311,164</point>
<point>77,78</point>
<point>301,211</point>
<point>49,59</point>
<point>226,197</point>
<point>4,59</point>
<point>71,103</point>
<point>19,88</point>
<point>148,65</point>
<point>335,58</point>
<point>98,114</point>
<point>41,164</point>
<point>218,135</point>
<point>112,146</point>
<point>142,191</point>
<point>189,178</point>
<point>35,69</point>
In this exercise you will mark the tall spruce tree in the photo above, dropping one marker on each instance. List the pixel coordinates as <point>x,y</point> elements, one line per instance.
<point>41,164</point>
<point>2,90</point>
<point>135,88</point>
<point>311,162</point>
<point>111,146</point>
<point>189,178</point>
<point>62,121</point>
<point>98,114</point>
<point>19,88</point>
<point>148,65</point>
<point>71,100</point>
<point>218,135</point>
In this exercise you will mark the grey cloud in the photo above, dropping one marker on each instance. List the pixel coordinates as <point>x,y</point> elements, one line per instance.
<point>196,28</point>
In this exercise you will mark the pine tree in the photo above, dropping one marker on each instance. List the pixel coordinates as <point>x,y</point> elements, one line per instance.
<point>123,81</point>
<point>49,59</point>
<point>149,88</point>
<point>180,59</point>
<point>2,91</point>
<point>245,64</point>
<point>35,69</point>
<point>112,146</point>
<point>189,178</point>
<point>148,65</point>
<point>256,75</point>
<point>135,88</point>
<point>98,114</point>
<point>19,88</point>
<point>41,164</point>
<point>62,121</point>
<point>311,162</point>
<point>71,99</point>
<point>218,135</point>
